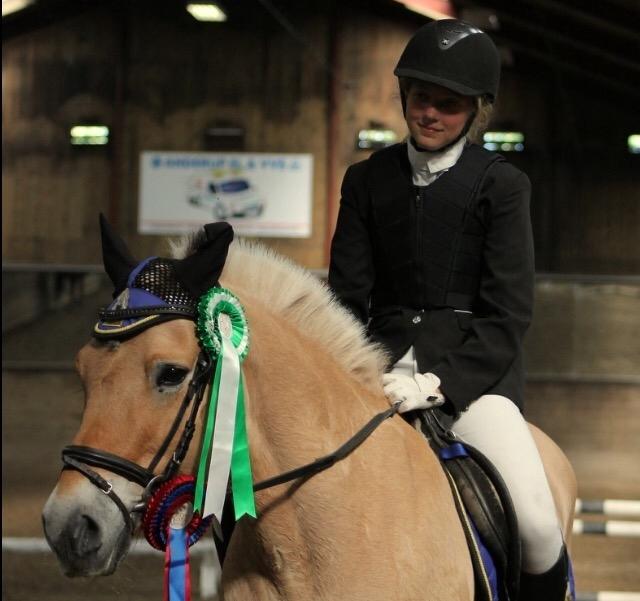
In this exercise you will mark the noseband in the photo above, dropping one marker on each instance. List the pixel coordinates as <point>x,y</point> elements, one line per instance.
<point>83,458</point>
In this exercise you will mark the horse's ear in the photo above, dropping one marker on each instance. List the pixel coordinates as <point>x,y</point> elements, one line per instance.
<point>116,257</point>
<point>200,271</point>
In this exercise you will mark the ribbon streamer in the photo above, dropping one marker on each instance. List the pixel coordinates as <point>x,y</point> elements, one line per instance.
<point>225,448</point>
<point>176,567</point>
<point>223,434</point>
<point>241,477</point>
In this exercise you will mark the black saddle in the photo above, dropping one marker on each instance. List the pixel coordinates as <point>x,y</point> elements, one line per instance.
<point>481,497</point>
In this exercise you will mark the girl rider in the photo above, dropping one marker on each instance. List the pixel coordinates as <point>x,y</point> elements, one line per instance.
<point>433,251</point>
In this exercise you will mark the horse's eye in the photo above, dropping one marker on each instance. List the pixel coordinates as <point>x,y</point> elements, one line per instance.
<point>170,376</point>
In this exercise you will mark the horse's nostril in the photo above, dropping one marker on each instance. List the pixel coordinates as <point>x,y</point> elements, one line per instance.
<point>85,536</point>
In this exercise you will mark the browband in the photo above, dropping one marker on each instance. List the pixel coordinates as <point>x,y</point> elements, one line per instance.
<point>119,314</point>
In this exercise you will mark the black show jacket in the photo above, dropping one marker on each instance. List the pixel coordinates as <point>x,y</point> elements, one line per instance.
<point>447,268</point>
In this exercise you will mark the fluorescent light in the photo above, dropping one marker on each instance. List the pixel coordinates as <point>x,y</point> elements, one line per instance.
<point>89,135</point>
<point>369,139</point>
<point>505,141</point>
<point>504,136</point>
<point>633,142</point>
<point>207,12</point>
<point>13,6</point>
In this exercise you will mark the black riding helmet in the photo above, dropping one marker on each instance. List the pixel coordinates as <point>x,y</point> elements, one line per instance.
<point>455,55</point>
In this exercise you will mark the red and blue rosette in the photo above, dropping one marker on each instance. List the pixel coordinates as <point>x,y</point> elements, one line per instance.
<point>172,502</point>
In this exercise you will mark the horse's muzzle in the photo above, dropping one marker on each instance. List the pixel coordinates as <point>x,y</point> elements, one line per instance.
<point>78,546</point>
<point>89,538</point>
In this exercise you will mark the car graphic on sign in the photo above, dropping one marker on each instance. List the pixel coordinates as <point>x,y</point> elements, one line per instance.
<point>227,197</point>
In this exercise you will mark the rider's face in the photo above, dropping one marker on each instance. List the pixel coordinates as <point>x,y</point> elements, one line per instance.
<point>436,115</point>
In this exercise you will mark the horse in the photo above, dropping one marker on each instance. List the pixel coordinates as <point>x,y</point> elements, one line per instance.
<point>378,525</point>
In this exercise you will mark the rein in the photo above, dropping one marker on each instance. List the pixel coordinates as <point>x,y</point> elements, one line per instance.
<point>319,465</point>
<point>79,457</point>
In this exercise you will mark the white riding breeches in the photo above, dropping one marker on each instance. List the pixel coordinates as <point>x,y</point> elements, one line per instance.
<point>494,425</point>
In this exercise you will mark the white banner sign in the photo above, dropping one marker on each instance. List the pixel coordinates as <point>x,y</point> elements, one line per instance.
<point>258,194</point>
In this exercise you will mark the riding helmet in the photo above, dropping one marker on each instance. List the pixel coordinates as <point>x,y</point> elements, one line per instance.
<point>455,55</point>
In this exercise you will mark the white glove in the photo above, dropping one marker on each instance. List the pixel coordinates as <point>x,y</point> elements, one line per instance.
<point>420,392</point>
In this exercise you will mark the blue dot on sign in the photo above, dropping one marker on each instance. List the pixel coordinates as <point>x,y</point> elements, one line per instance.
<point>156,161</point>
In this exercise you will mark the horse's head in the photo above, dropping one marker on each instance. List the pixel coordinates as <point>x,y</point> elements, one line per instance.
<point>133,391</point>
<point>143,375</point>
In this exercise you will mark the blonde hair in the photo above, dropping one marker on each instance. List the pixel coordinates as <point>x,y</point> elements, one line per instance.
<point>480,123</point>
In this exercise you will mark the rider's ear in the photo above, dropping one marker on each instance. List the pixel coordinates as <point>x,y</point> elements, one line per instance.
<point>116,257</point>
<point>200,271</point>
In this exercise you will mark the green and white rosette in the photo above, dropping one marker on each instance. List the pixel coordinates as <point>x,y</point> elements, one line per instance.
<point>223,331</point>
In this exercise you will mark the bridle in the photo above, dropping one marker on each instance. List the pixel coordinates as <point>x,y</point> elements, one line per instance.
<point>83,458</point>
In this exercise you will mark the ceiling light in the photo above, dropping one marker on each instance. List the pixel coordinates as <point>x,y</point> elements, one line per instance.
<point>89,135</point>
<point>13,6</point>
<point>207,12</point>
<point>504,141</point>
<point>434,9</point>
<point>375,138</point>
<point>633,142</point>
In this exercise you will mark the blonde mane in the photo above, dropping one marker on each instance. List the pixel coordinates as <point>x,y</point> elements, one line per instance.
<point>297,295</point>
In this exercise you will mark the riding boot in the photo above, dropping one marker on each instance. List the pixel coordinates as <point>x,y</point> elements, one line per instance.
<point>548,586</point>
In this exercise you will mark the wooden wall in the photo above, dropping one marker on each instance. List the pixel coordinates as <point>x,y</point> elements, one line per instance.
<point>160,80</point>
<point>158,84</point>
<point>51,192</point>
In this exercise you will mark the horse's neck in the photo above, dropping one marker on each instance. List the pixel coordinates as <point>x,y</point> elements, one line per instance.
<point>302,403</point>
<point>310,533</point>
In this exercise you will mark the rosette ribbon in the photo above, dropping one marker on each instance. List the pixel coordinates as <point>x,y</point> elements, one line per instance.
<point>169,525</point>
<point>223,331</point>
<point>177,573</point>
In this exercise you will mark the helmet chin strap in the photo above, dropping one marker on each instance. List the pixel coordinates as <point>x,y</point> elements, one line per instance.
<point>463,133</point>
<point>435,150</point>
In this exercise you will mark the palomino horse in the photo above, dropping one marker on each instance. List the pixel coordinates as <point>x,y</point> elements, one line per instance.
<point>379,525</point>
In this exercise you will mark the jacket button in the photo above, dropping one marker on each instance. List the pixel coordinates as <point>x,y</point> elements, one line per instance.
<point>417,319</point>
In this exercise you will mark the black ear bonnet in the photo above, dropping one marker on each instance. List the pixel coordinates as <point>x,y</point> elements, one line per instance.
<point>157,289</point>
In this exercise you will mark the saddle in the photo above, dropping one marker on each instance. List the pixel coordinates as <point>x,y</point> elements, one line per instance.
<point>484,507</point>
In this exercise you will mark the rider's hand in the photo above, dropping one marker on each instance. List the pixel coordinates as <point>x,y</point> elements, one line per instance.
<point>419,392</point>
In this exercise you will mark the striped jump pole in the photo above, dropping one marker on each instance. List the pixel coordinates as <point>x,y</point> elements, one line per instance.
<point>608,596</point>
<point>138,547</point>
<point>610,507</point>
<point>210,570</point>
<point>608,528</point>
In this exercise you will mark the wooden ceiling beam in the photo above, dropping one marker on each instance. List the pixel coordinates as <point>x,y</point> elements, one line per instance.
<point>553,6</point>
<point>568,41</point>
